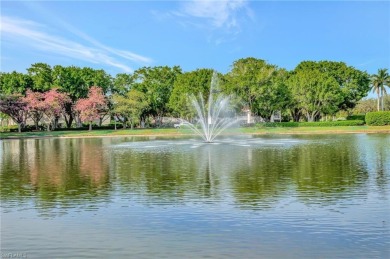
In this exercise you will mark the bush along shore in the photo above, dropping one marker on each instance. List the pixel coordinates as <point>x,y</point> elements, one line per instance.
<point>378,118</point>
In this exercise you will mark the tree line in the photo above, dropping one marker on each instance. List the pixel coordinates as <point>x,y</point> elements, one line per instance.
<point>314,89</point>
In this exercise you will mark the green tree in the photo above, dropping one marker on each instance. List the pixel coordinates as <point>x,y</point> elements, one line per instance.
<point>14,82</point>
<point>314,93</point>
<point>4,119</point>
<point>122,83</point>
<point>193,82</point>
<point>364,106</point>
<point>249,79</point>
<point>41,75</point>
<point>96,77</point>
<point>70,80</point>
<point>353,83</point>
<point>378,84</point>
<point>128,108</point>
<point>157,84</point>
<point>273,96</point>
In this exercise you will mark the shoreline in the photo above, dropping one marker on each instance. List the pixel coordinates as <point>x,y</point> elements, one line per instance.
<point>185,132</point>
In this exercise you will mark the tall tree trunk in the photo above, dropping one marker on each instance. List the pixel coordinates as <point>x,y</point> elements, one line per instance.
<point>20,127</point>
<point>382,95</point>
<point>311,116</point>
<point>36,122</point>
<point>90,126</point>
<point>56,122</point>
<point>25,117</point>
<point>78,122</point>
<point>295,114</point>
<point>68,121</point>
<point>379,99</point>
<point>68,115</point>
<point>248,117</point>
<point>159,119</point>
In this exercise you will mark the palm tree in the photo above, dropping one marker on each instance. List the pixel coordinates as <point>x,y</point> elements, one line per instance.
<point>378,82</point>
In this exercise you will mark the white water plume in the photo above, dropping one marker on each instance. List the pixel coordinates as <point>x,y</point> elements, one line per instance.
<point>212,117</point>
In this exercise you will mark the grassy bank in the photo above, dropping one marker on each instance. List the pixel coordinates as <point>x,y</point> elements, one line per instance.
<point>183,132</point>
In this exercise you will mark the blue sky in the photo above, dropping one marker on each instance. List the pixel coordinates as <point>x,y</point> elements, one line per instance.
<point>121,36</point>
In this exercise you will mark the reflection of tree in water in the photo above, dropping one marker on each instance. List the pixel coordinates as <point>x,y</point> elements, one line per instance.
<point>162,174</point>
<point>256,177</point>
<point>328,171</point>
<point>13,165</point>
<point>67,172</point>
<point>207,172</point>
<point>375,154</point>
<point>381,177</point>
<point>181,174</point>
<point>263,178</point>
<point>319,172</point>
<point>147,173</point>
<point>382,165</point>
<point>58,172</point>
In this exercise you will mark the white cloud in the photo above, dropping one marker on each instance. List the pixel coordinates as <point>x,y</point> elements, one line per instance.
<point>222,20</point>
<point>219,14</point>
<point>36,35</point>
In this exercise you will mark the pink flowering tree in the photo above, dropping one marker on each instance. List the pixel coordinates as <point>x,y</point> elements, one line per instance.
<point>54,106</point>
<point>90,108</point>
<point>35,106</point>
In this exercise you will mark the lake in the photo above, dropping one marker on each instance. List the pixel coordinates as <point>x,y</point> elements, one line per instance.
<point>284,196</point>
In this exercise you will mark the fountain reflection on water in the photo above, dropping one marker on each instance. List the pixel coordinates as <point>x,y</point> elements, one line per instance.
<point>213,118</point>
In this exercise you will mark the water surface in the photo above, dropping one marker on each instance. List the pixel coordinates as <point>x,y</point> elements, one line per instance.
<point>324,196</point>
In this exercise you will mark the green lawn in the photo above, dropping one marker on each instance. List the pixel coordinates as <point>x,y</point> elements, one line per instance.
<point>179,132</point>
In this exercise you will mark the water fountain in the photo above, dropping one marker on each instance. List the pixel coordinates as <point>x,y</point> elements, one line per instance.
<point>212,116</point>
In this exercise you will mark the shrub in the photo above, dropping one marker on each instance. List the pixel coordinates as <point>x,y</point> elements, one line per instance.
<point>111,125</point>
<point>378,118</point>
<point>332,123</point>
<point>312,124</point>
<point>279,124</point>
<point>361,117</point>
<point>28,128</point>
<point>4,129</point>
